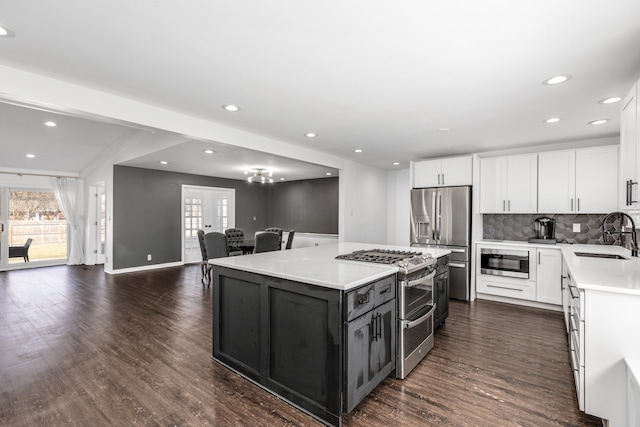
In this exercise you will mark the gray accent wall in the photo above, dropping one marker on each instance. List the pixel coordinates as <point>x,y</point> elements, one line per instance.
<point>147,210</point>
<point>309,206</point>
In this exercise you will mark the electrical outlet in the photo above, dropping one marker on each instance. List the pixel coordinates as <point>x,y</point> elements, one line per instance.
<point>576,228</point>
<point>149,257</point>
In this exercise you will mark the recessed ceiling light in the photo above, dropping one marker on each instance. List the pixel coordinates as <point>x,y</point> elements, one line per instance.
<point>328,173</point>
<point>310,135</point>
<point>50,124</point>
<point>357,150</point>
<point>282,178</point>
<point>611,100</point>
<point>396,163</point>
<point>5,32</point>
<point>555,80</point>
<point>209,151</point>
<point>31,156</point>
<point>552,120</point>
<point>444,130</point>
<point>164,162</point>
<point>598,122</point>
<point>230,107</point>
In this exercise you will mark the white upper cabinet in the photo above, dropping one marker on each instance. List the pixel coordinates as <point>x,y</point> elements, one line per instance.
<point>508,184</point>
<point>629,151</point>
<point>442,172</point>
<point>578,181</point>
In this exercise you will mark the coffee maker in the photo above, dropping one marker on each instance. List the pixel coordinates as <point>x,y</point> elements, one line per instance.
<point>545,230</point>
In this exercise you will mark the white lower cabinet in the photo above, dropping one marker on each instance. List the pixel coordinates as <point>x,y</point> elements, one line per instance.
<point>549,273</point>
<point>543,284</point>
<point>603,331</point>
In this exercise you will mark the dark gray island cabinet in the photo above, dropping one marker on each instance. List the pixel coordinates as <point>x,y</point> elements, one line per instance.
<point>321,348</point>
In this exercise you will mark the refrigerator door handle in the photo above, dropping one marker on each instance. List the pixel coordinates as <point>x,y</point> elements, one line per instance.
<point>434,221</point>
<point>439,216</point>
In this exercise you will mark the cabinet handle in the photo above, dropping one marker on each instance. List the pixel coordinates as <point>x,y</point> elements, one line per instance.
<point>578,210</point>
<point>438,179</point>
<point>571,204</point>
<point>538,258</point>
<point>509,205</point>
<point>503,206</point>
<point>573,296</point>
<point>505,287</point>
<point>630,185</point>
<point>442,179</point>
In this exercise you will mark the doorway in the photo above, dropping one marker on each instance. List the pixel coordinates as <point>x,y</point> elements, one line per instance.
<point>98,223</point>
<point>33,229</point>
<point>208,209</point>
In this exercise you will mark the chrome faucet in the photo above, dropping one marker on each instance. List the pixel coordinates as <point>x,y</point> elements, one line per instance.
<point>623,216</point>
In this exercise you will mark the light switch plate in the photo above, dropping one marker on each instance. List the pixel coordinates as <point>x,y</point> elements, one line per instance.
<point>576,228</point>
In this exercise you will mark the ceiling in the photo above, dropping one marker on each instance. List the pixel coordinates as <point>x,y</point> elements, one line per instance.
<point>381,76</point>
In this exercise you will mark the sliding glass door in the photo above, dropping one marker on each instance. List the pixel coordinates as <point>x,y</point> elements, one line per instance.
<point>34,230</point>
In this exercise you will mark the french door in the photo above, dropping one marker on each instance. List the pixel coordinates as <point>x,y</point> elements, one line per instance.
<point>208,209</point>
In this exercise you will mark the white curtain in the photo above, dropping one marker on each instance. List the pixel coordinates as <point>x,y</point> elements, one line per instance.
<point>66,191</point>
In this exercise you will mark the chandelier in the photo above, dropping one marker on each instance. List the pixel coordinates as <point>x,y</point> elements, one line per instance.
<point>259,174</point>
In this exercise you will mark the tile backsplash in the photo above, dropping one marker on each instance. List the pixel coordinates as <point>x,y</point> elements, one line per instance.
<point>521,228</point>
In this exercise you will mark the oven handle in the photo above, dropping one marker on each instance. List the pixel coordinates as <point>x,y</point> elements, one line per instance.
<point>412,324</point>
<point>421,281</point>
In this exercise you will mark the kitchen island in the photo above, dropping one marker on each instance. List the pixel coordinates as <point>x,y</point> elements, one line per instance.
<point>316,331</point>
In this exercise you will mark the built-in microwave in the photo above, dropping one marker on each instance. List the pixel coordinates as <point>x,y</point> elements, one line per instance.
<point>506,262</point>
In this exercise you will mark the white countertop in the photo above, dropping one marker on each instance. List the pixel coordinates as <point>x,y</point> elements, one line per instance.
<point>601,274</point>
<point>317,265</point>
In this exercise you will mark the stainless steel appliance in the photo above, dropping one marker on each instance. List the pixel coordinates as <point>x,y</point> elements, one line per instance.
<point>545,230</point>
<point>415,304</point>
<point>505,262</point>
<point>441,217</point>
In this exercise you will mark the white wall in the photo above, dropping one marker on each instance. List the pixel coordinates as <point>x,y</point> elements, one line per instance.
<point>363,189</point>
<point>363,204</point>
<point>398,207</point>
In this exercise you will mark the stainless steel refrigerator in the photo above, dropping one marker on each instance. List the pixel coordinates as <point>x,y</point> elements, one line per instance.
<point>441,217</point>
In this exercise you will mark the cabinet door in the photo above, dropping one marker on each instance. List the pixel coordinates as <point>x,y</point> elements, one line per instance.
<point>629,152</point>
<point>597,179</point>
<point>549,275</point>
<point>370,351</point>
<point>522,184</point>
<point>427,173</point>
<point>493,184</point>
<point>441,287</point>
<point>457,171</point>
<point>556,181</point>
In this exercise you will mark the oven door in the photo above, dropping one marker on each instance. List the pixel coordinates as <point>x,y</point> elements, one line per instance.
<point>415,339</point>
<point>415,292</point>
<point>505,262</point>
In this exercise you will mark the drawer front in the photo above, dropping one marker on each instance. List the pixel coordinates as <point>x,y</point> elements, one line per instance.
<point>385,290</point>
<point>522,289</point>
<point>360,301</point>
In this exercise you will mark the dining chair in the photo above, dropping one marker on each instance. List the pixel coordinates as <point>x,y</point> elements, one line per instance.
<point>276,230</point>
<point>267,241</point>
<point>204,265</point>
<point>290,239</point>
<point>216,246</point>
<point>235,236</point>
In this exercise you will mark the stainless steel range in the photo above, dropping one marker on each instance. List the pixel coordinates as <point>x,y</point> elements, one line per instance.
<point>415,305</point>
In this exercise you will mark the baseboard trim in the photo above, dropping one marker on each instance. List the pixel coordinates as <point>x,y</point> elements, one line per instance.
<point>516,301</point>
<point>143,268</point>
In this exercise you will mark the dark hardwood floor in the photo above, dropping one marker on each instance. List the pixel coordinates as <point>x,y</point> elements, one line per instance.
<point>82,348</point>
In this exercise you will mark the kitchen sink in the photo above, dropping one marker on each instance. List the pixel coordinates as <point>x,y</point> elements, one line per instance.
<point>597,255</point>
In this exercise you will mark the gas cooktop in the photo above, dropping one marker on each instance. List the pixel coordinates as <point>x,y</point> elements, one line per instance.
<point>406,261</point>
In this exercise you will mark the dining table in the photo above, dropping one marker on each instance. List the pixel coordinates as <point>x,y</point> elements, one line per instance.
<point>246,246</point>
